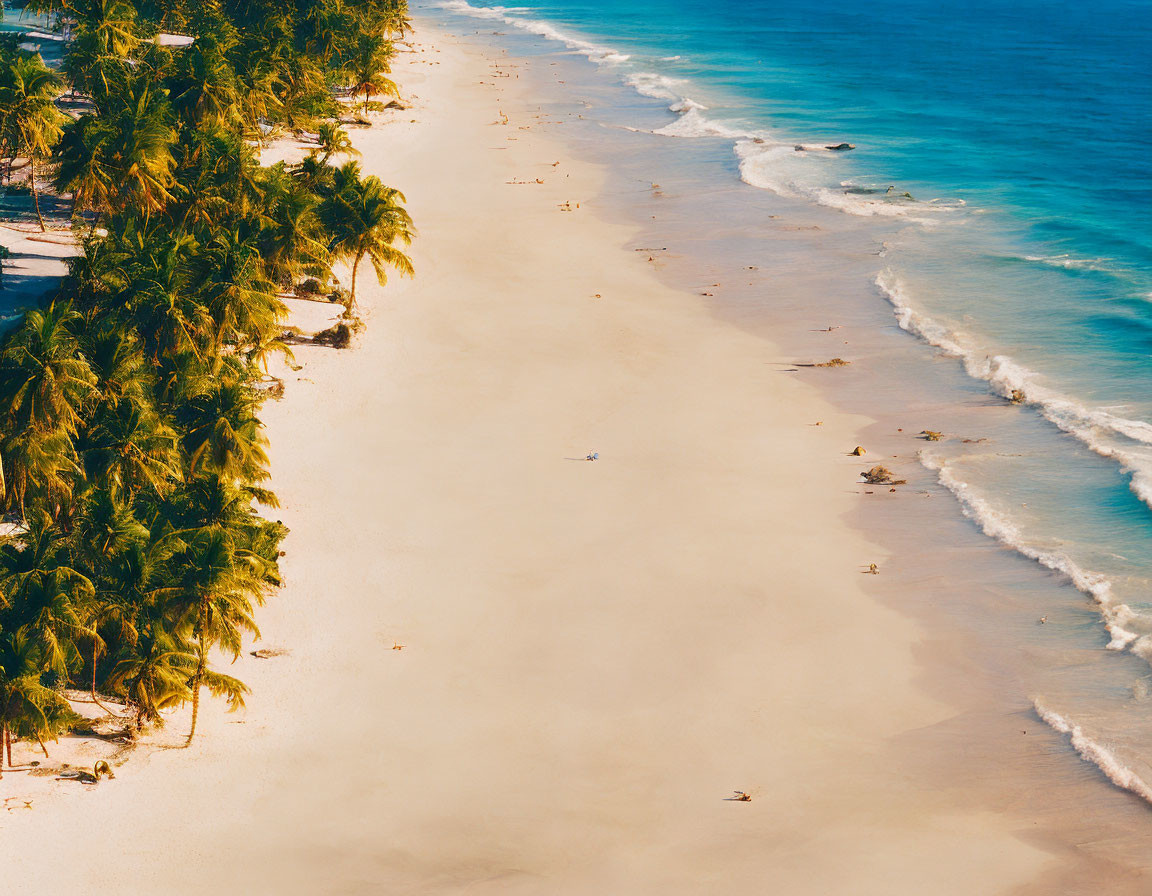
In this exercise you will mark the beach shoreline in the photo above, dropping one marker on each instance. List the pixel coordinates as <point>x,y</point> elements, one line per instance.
<point>510,670</point>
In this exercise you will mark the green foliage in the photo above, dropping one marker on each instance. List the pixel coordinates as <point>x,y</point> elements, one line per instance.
<point>132,456</point>
<point>364,218</point>
<point>121,158</point>
<point>30,123</point>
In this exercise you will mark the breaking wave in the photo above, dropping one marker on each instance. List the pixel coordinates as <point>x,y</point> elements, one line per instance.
<point>595,52</point>
<point>1099,755</point>
<point>997,525</point>
<point>1012,380</point>
<point>787,170</point>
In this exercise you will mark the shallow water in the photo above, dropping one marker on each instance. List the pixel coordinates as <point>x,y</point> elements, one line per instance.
<point>1032,272</point>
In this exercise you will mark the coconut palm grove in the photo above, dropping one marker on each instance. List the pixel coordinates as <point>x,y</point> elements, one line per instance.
<point>139,536</point>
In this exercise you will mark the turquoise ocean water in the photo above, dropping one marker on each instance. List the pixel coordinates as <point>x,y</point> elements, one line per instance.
<point>989,237</point>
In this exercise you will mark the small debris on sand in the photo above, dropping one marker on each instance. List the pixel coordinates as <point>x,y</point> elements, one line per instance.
<point>267,653</point>
<point>879,475</point>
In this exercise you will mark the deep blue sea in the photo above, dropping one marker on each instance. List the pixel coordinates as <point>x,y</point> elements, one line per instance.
<point>987,241</point>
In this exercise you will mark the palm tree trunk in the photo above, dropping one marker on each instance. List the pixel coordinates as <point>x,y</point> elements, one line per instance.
<point>35,195</point>
<point>352,295</point>
<point>366,100</point>
<point>195,707</point>
<point>8,742</point>
<point>196,691</point>
<point>42,747</point>
<point>95,699</point>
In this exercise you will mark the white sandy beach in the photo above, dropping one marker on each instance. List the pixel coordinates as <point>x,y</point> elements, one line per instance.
<point>595,655</point>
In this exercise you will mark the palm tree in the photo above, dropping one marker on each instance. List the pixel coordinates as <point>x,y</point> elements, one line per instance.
<point>155,674</point>
<point>233,288</point>
<point>217,589</point>
<point>224,435</point>
<point>40,466</point>
<point>106,36</point>
<point>322,27</point>
<point>368,66</point>
<point>334,140</point>
<point>104,530</point>
<point>133,588</point>
<point>46,604</point>
<point>313,174</point>
<point>217,179</point>
<point>126,445</point>
<point>44,378</point>
<point>83,169</point>
<point>204,87</point>
<point>111,22</point>
<point>159,296</point>
<point>139,147</point>
<point>45,385</point>
<point>290,238</point>
<point>122,158</point>
<point>28,90</point>
<point>129,447</point>
<point>396,21</point>
<point>366,218</point>
<point>28,708</point>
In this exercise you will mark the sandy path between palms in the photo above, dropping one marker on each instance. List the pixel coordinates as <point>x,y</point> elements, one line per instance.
<point>596,654</point>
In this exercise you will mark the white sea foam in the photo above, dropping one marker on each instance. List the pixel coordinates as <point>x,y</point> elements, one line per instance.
<point>655,85</point>
<point>1096,753</point>
<point>1010,379</point>
<point>997,525</point>
<point>1068,262</point>
<point>693,123</point>
<point>662,87</point>
<point>792,170</point>
<point>687,104</point>
<point>595,52</point>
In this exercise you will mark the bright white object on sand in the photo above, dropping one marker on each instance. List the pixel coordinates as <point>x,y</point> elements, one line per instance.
<point>174,40</point>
